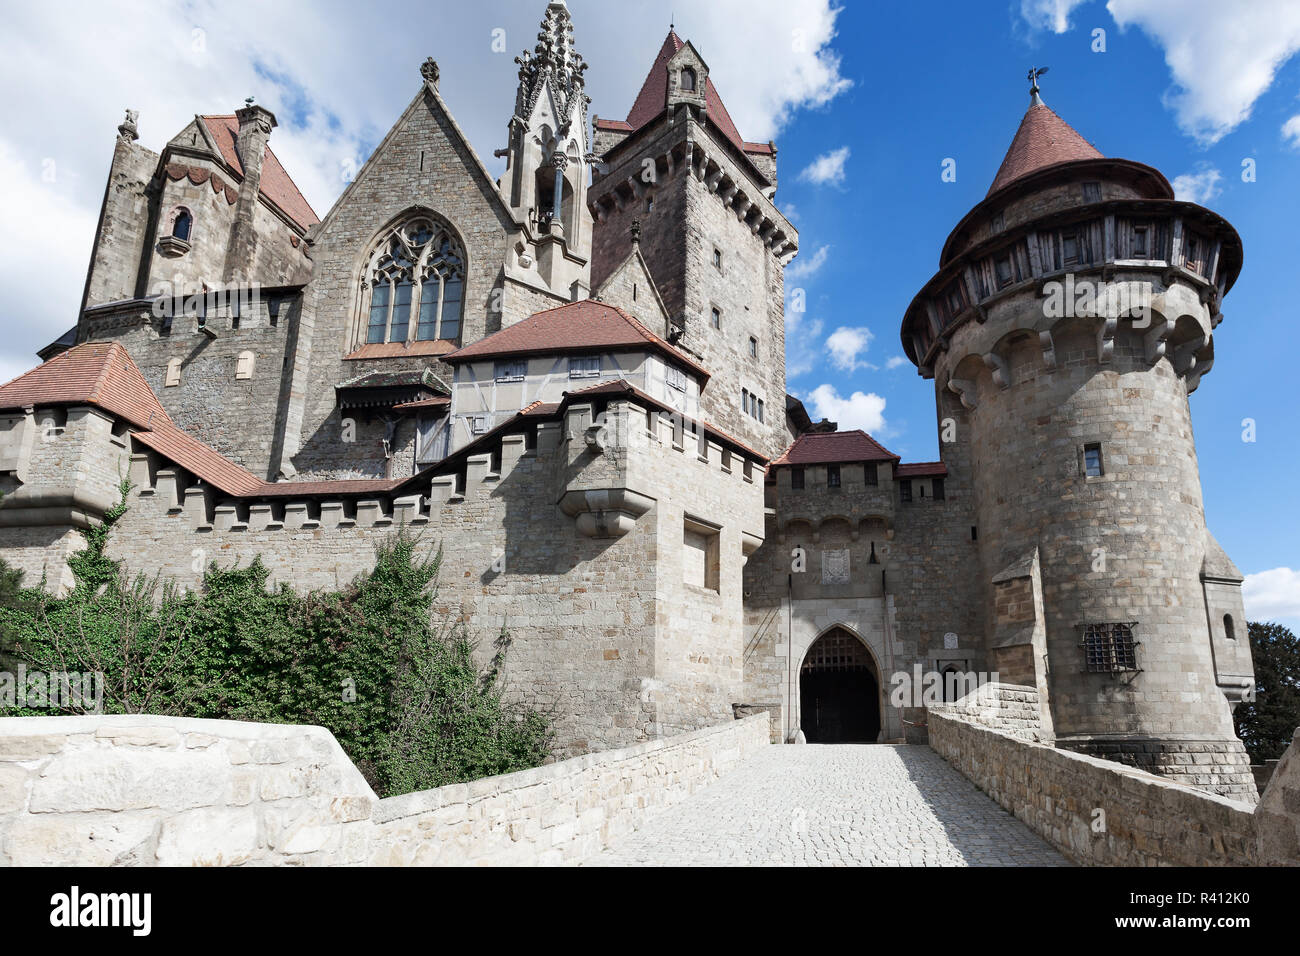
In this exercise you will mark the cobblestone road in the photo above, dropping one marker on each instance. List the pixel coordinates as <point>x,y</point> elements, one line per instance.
<point>836,805</point>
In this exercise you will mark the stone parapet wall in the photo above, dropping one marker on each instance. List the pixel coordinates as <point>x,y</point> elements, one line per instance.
<point>1008,708</point>
<point>148,791</point>
<point>1098,812</point>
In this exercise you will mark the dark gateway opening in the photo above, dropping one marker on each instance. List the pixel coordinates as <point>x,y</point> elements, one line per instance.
<point>839,691</point>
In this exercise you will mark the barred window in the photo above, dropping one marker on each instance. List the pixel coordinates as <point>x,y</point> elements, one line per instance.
<point>1109,647</point>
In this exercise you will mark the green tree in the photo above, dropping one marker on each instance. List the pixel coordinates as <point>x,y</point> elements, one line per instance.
<point>1267,723</point>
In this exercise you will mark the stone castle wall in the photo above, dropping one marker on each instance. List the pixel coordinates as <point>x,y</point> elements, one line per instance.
<point>1100,813</point>
<point>168,791</point>
<point>605,630</point>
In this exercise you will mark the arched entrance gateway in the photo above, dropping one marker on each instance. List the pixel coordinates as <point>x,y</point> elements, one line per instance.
<point>839,691</point>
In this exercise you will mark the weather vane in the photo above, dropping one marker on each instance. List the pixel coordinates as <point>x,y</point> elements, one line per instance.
<point>1034,74</point>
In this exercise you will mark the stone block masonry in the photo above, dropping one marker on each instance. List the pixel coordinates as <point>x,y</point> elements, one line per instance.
<point>139,790</point>
<point>1098,812</point>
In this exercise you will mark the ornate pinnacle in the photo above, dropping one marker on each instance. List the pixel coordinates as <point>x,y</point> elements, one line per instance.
<point>429,70</point>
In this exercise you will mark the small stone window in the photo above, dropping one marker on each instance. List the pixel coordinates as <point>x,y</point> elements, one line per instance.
<point>753,347</point>
<point>1092,465</point>
<point>905,490</point>
<point>870,474</point>
<point>832,476</point>
<point>182,224</point>
<point>1109,648</point>
<point>936,489</point>
<point>1229,630</point>
<point>173,373</point>
<point>700,554</point>
<point>688,80</point>
<point>244,365</point>
<point>717,258</point>
<point>715,317</point>
<point>796,479</point>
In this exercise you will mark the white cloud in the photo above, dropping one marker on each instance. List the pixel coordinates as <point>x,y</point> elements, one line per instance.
<point>803,267</point>
<point>1291,130</point>
<point>859,410</point>
<point>827,169</point>
<point>1199,187</point>
<point>801,337</point>
<point>1272,595</point>
<point>846,345</point>
<point>1223,56</point>
<point>335,94</point>
<point>1051,15</point>
<point>894,362</point>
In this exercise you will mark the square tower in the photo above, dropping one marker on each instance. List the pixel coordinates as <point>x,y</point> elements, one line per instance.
<point>678,174</point>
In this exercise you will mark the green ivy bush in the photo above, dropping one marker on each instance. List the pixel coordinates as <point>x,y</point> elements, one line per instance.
<point>399,690</point>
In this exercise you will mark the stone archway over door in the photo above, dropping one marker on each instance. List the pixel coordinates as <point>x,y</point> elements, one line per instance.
<point>839,691</point>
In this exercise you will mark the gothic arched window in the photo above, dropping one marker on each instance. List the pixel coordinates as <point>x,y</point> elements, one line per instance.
<point>688,80</point>
<point>421,267</point>
<point>181,225</point>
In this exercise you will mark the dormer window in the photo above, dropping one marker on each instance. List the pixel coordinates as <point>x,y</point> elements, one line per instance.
<point>688,80</point>
<point>675,377</point>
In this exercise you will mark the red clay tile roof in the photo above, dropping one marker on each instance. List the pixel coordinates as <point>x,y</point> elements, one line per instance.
<point>276,185</point>
<point>1043,139</point>
<point>921,469</point>
<point>194,456</point>
<point>95,373</point>
<point>580,326</point>
<point>441,401</point>
<point>653,99</point>
<point>821,448</point>
<point>103,374</point>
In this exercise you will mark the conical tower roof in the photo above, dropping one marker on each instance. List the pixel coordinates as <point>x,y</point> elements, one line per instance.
<point>1043,139</point>
<point>653,98</point>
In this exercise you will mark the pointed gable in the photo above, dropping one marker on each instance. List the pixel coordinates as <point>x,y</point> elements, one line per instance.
<point>653,100</point>
<point>276,185</point>
<point>1043,139</point>
<point>630,287</point>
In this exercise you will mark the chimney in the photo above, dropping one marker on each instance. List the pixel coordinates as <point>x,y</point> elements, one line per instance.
<point>255,125</point>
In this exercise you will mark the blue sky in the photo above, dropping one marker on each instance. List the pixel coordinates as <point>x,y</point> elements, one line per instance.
<point>864,100</point>
<point>955,87</point>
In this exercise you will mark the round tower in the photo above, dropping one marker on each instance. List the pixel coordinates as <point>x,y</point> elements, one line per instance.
<point>1073,312</point>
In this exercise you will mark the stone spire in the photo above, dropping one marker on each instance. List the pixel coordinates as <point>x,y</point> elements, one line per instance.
<point>554,58</point>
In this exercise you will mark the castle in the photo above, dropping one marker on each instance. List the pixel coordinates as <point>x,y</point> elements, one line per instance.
<point>572,380</point>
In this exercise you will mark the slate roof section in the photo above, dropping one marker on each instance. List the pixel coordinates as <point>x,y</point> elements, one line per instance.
<point>830,448</point>
<point>276,184</point>
<point>583,326</point>
<point>1043,139</point>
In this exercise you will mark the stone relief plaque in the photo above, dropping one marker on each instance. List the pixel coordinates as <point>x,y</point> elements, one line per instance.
<point>835,567</point>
